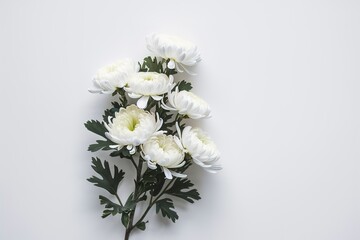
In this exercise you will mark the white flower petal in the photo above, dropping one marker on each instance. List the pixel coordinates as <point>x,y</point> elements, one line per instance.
<point>167,107</point>
<point>213,169</point>
<point>148,84</point>
<point>174,48</point>
<point>201,164</point>
<point>167,173</point>
<point>114,146</point>
<point>171,64</point>
<point>187,103</point>
<point>132,126</point>
<point>151,165</point>
<point>157,98</point>
<point>113,76</point>
<point>134,95</point>
<point>95,90</point>
<point>178,142</point>
<point>164,151</point>
<point>179,175</point>
<point>201,148</point>
<point>142,102</point>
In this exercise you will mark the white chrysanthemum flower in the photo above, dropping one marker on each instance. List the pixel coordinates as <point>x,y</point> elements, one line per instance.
<point>131,127</point>
<point>187,103</point>
<point>165,151</point>
<point>179,51</point>
<point>201,148</point>
<point>113,76</point>
<point>144,85</point>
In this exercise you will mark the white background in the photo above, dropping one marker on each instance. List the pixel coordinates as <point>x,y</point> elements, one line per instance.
<point>282,78</point>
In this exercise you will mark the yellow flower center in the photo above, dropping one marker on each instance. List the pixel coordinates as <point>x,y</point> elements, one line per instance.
<point>148,77</point>
<point>133,123</point>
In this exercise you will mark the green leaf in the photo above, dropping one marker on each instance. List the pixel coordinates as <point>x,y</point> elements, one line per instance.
<point>178,189</point>
<point>115,153</point>
<point>141,226</point>
<point>108,182</point>
<point>123,153</point>
<point>96,127</point>
<point>143,198</point>
<point>107,113</point>
<point>127,209</point>
<point>100,144</point>
<point>111,112</point>
<point>183,85</point>
<point>160,181</point>
<point>110,207</point>
<point>165,115</point>
<point>152,180</point>
<point>148,181</point>
<point>129,204</point>
<point>125,219</point>
<point>151,65</point>
<point>166,207</point>
<point>151,104</point>
<point>122,98</point>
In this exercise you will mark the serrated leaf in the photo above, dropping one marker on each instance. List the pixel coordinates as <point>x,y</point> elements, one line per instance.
<point>111,112</point>
<point>106,115</point>
<point>116,105</point>
<point>183,86</point>
<point>141,226</point>
<point>143,198</point>
<point>178,189</point>
<point>96,127</point>
<point>100,144</point>
<point>166,206</point>
<point>151,65</point>
<point>122,98</point>
<point>115,154</point>
<point>110,207</point>
<point>153,180</point>
<point>108,182</point>
<point>123,153</point>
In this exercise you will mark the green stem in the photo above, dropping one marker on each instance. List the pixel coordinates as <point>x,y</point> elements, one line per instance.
<point>118,198</point>
<point>151,203</point>
<point>151,104</point>
<point>130,225</point>
<point>139,170</point>
<point>133,162</point>
<point>127,234</point>
<point>178,119</point>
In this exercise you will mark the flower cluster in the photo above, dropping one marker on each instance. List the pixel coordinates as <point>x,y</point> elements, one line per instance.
<point>149,124</point>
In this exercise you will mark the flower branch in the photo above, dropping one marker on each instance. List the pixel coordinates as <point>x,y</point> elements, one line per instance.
<point>150,133</point>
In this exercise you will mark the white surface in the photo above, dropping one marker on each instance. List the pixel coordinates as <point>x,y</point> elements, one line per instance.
<point>282,78</point>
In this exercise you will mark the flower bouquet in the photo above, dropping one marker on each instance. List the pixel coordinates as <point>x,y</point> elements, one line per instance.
<point>148,127</point>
